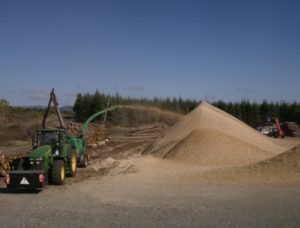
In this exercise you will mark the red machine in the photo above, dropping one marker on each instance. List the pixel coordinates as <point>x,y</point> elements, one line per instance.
<point>280,131</point>
<point>272,128</point>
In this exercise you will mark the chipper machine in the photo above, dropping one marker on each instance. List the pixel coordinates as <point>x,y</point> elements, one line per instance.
<point>54,155</point>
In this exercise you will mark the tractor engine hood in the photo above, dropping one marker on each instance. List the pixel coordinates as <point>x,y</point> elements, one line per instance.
<point>42,151</point>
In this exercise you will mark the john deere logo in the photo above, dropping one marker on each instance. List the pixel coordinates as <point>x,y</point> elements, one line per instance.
<point>24,181</point>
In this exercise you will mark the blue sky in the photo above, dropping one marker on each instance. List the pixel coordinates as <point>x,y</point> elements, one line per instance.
<point>211,49</point>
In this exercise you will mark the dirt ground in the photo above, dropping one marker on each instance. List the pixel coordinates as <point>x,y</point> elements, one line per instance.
<point>122,188</point>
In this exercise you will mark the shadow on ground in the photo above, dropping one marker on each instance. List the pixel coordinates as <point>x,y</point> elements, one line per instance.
<point>4,190</point>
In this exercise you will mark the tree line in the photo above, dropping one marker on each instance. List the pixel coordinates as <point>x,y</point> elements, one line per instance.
<point>252,113</point>
<point>257,114</point>
<point>87,104</point>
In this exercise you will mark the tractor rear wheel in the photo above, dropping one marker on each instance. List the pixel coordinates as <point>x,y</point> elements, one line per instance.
<point>83,161</point>
<point>58,172</point>
<point>72,166</point>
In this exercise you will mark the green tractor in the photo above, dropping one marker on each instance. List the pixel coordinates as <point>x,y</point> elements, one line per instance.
<point>54,155</point>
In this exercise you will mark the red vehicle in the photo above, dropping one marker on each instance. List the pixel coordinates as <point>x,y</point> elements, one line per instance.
<point>280,131</point>
<point>272,128</point>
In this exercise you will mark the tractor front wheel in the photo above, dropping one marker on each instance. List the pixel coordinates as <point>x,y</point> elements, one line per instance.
<point>58,172</point>
<point>72,166</point>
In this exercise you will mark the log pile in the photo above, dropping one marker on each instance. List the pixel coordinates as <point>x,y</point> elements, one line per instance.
<point>4,166</point>
<point>291,129</point>
<point>8,163</point>
<point>95,132</point>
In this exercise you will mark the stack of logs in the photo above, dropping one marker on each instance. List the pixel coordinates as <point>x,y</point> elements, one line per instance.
<point>291,129</point>
<point>93,134</point>
<point>4,165</point>
<point>7,163</point>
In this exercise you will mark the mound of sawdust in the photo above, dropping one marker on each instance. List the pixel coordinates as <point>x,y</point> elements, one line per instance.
<point>210,137</point>
<point>282,168</point>
<point>103,164</point>
<point>214,148</point>
<point>288,161</point>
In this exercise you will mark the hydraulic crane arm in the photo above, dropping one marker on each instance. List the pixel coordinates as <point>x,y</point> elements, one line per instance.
<point>55,103</point>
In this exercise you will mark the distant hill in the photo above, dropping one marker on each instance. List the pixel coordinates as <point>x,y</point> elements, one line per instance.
<point>67,108</point>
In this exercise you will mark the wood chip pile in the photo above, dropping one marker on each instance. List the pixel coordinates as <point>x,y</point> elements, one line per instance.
<point>210,137</point>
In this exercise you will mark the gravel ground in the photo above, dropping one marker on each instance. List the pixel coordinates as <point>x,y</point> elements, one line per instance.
<point>82,205</point>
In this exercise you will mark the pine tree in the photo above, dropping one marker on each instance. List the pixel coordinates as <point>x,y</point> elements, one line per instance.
<point>77,108</point>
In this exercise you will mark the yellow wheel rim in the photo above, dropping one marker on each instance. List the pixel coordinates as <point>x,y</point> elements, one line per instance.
<point>62,173</point>
<point>73,163</point>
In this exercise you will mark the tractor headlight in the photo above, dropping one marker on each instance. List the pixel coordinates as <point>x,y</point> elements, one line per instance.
<point>36,161</point>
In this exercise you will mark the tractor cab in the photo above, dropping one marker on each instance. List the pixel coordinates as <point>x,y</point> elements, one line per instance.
<point>52,137</point>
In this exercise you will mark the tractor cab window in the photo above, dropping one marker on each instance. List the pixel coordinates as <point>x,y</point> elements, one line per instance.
<point>50,138</point>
